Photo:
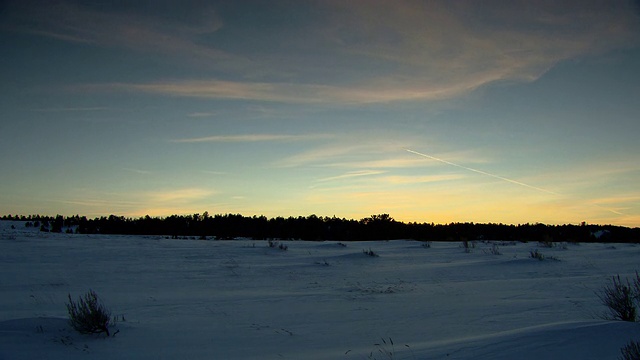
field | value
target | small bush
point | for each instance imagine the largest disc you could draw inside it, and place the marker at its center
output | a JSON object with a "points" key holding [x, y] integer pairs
{"points": [[370, 253], [277, 245], [88, 315], [621, 298], [467, 246], [546, 244], [494, 250], [631, 351], [536, 255]]}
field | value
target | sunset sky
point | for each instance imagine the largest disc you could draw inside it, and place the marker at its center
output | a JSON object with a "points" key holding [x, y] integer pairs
{"points": [[430, 111]]}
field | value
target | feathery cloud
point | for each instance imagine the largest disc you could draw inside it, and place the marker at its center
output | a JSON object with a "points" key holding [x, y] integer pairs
{"points": [[352, 174], [179, 195], [390, 51], [252, 138]]}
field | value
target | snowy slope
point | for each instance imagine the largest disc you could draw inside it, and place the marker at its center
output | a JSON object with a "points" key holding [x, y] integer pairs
{"points": [[193, 299]]}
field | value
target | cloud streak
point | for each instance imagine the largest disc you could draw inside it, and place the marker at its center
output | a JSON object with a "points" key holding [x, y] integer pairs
{"points": [[405, 180], [179, 195], [381, 91], [135, 28], [393, 51], [71, 109], [251, 138], [137, 171], [352, 174]]}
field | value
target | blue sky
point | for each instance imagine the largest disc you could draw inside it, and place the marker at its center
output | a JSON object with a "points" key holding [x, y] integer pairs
{"points": [[439, 111]]}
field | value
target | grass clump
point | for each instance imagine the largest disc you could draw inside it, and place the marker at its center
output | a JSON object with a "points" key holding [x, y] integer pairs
{"points": [[540, 256], [622, 298], [536, 255], [494, 250], [277, 245], [467, 245], [370, 253], [88, 315], [631, 351]]}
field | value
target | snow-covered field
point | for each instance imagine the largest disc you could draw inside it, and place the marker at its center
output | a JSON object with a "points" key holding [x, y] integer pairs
{"points": [[194, 299]]}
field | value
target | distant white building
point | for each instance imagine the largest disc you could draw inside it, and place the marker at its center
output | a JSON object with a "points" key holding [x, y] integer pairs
{"points": [[601, 234]]}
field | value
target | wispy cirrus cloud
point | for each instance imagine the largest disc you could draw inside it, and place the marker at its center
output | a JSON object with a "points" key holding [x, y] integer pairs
{"points": [[372, 179], [179, 195], [619, 199], [416, 59], [382, 163], [375, 151], [137, 171], [419, 179], [100, 203], [329, 154], [212, 172], [252, 138], [141, 28], [166, 28], [352, 174], [71, 109], [154, 203], [381, 91], [395, 158], [202, 114], [440, 43], [389, 51]]}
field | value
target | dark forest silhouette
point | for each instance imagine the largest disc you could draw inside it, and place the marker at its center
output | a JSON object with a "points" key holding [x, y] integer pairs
{"points": [[312, 227]]}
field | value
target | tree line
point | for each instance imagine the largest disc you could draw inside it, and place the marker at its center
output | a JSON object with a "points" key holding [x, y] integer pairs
{"points": [[312, 227]]}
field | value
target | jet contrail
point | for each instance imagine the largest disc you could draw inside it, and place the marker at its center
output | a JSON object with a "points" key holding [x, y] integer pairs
{"points": [[503, 178], [610, 210], [482, 172]]}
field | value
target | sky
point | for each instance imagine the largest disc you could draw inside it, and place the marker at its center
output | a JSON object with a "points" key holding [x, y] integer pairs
{"points": [[430, 111]]}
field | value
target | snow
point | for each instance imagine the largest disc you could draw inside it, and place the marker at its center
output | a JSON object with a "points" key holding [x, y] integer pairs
{"points": [[240, 299]]}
